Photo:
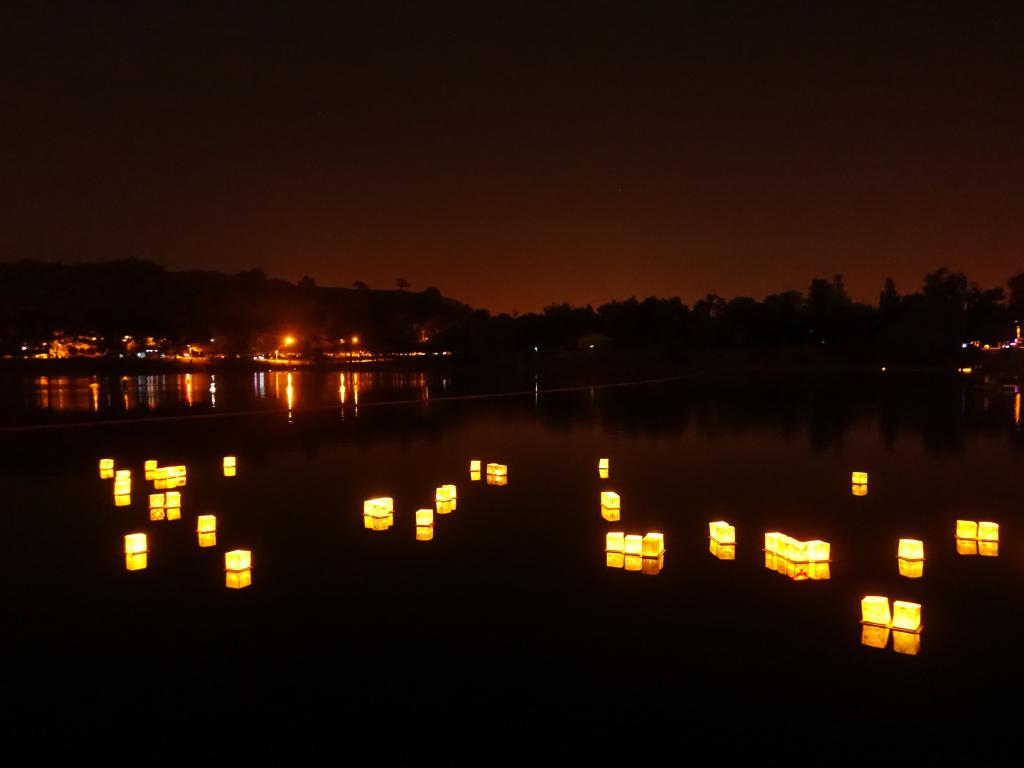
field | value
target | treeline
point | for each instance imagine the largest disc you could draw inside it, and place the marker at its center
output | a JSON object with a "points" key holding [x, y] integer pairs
{"points": [[140, 298]]}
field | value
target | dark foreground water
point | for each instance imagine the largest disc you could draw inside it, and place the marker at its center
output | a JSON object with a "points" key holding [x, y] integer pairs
{"points": [[511, 609]]}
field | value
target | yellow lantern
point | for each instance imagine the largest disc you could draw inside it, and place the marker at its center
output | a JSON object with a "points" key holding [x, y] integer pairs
{"points": [[966, 547], [988, 548], [633, 545], [874, 636], [875, 610], [474, 476], [206, 524], [122, 487], [172, 499], [156, 501], [424, 517], [771, 542], [230, 461], [445, 493], [614, 559], [106, 464], [380, 507], [722, 551], [906, 616], [178, 470], [988, 531], [208, 539], [722, 532], [106, 474], [908, 643], [653, 545], [135, 543], [474, 465], [819, 571], [911, 569], [859, 490], [238, 579], [797, 551], [910, 549], [230, 471], [818, 551], [237, 560], [614, 541], [122, 500], [445, 507], [632, 562], [497, 469], [651, 566], [424, 532], [603, 464], [157, 513], [859, 478], [603, 474], [149, 465], [499, 480], [611, 515], [610, 500], [966, 529], [136, 561], [771, 561]]}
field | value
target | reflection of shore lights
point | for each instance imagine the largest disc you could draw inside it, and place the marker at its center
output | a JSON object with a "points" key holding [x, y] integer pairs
{"points": [[722, 551], [910, 549], [722, 532], [966, 529], [875, 610], [614, 541], [906, 616], [988, 531], [653, 545], [237, 560], [424, 517]]}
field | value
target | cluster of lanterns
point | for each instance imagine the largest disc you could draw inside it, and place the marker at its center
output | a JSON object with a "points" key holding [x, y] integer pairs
{"points": [[122, 487], [165, 506], [859, 483], [379, 513], [497, 474], [635, 552], [168, 477], [722, 540], [977, 538], [798, 560], [904, 621]]}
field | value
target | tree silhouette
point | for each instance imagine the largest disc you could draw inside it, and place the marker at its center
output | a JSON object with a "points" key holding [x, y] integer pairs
{"points": [[402, 283]]}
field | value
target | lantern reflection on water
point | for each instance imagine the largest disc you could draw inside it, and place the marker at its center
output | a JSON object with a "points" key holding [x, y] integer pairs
{"points": [[238, 579], [966, 547], [908, 643], [122, 500], [498, 480], [722, 532], [374, 523], [603, 474], [906, 616], [859, 490], [911, 569], [238, 560], [208, 539], [445, 507], [988, 531], [966, 529], [632, 562], [722, 551], [614, 559], [910, 549], [157, 513], [611, 515], [379, 507], [230, 472], [136, 561], [988, 548], [424, 532], [819, 571], [874, 636], [474, 476], [173, 513], [875, 610], [652, 566]]}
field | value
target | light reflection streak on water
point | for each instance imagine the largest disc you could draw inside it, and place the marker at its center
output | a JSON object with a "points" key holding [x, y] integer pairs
{"points": [[290, 391], [1016, 410], [213, 390], [188, 389]]}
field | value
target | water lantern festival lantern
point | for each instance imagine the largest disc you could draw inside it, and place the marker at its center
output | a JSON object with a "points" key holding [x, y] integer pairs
{"points": [[722, 532], [910, 549], [136, 551], [874, 609]]}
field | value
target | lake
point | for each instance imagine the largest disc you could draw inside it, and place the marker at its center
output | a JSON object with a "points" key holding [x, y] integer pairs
{"points": [[512, 607]]}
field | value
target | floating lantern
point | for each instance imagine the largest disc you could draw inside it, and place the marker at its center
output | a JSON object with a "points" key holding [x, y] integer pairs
{"points": [[135, 543], [122, 487], [156, 501], [424, 517], [797, 551], [378, 523], [722, 532], [172, 499], [149, 465], [966, 529], [653, 545], [380, 507], [771, 542], [908, 643], [474, 476], [238, 579], [445, 493], [237, 560], [722, 551], [474, 465], [910, 549], [610, 500], [157, 513], [632, 562], [859, 490], [603, 464], [874, 636], [611, 515], [445, 507], [818, 551], [988, 531], [859, 478], [875, 610], [651, 566], [206, 524], [122, 500], [966, 547], [633, 545], [819, 571], [106, 464], [988, 548], [230, 461], [614, 559], [208, 539], [614, 541], [497, 480], [497, 469], [906, 616], [911, 569]]}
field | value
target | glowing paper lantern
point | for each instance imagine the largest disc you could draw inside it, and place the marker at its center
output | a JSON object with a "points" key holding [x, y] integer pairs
{"points": [[149, 465], [230, 461], [106, 464], [207, 539], [156, 501], [771, 542], [966, 529], [988, 531], [906, 616], [474, 476], [874, 636], [474, 465], [172, 499], [633, 545], [722, 551], [967, 547], [424, 532], [603, 464], [611, 515], [860, 478], [206, 523], [136, 561], [614, 559], [157, 513], [722, 532], [424, 517], [908, 643], [498, 470], [614, 541], [910, 549], [123, 474], [380, 507], [135, 543], [237, 560], [818, 551], [988, 548], [122, 487], [797, 551], [610, 500], [445, 493], [238, 579], [653, 545], [859, 490], [875, 610], [651, 566], [911, 569]]}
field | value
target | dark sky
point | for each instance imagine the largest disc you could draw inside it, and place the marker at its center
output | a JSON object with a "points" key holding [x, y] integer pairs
{"points": [[514, 157]]}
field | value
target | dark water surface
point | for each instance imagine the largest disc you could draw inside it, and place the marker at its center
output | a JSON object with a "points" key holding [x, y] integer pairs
{"points": [[511, 608]]}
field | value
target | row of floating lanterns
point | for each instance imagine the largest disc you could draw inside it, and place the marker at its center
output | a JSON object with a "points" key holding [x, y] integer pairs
{"points": [[497, 474], [904, 621], [631, 552]]}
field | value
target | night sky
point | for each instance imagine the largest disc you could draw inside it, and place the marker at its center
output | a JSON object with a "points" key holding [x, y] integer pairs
{"points": [[514, 158]]}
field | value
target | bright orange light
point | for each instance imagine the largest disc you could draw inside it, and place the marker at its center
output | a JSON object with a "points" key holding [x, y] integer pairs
{"points": [[289, 340], [355, 339]]}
